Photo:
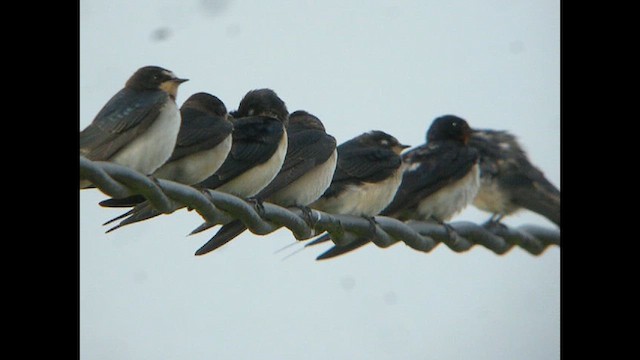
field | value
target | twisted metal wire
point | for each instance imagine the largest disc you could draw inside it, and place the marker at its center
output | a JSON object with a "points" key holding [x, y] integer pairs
{"points": [[218, 208]]}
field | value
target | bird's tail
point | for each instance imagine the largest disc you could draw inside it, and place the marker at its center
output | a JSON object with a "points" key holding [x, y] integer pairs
{"points": [[343, 249], [140, 212], [319, 240], [543, 198], [227, 233], [129, 201]]}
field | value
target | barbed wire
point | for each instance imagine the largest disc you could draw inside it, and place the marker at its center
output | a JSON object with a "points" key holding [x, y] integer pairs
{"points": [[218, 208]]}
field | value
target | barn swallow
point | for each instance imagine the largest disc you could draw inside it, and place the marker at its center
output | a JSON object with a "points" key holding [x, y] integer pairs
{"points": [[367, 175], [258, 148], [509, 181], [306, 173], [138, 126], [204, 141], [259, 144], [441, 179]]}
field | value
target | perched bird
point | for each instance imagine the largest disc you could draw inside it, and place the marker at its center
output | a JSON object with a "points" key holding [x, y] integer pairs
{"points": [[204, 141], [509, 181], [259, 145], [258, 148], [306, 173], [367, 175], [138, 126], [441, 179]]}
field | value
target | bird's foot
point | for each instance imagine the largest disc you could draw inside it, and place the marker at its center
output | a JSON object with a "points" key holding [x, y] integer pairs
{"points": [[372, 224], [307, 215], [494, 222], [257, 204], [451, 232]]}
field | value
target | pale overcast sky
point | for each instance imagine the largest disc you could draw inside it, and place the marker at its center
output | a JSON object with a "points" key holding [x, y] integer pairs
{"points": [[386, 65]]}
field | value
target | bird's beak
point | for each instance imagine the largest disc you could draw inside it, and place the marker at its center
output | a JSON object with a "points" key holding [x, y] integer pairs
{"points": [[398, 148], [171, 86]]}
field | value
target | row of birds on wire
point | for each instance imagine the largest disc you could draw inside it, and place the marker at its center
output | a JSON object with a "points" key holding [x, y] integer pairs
{"points": [[261, 152]]}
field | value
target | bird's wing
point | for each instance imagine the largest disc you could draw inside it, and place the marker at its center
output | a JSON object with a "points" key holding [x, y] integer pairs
{"points": [[199, 132], [127, 114], [306, 149], [255, 140], [430, 168], [502, 158], [367, 164]]}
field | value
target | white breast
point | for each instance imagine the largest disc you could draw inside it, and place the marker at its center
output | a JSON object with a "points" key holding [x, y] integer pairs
{"points": [[309, 187], [257, 178], [196, 167], [451, 199], [364, 200], [153, 147]]}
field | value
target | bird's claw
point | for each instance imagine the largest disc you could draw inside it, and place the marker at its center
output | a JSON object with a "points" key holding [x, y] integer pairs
{"points": [[494, 222], [257, 204], [307, 214], [451, 232], [372, 224]]}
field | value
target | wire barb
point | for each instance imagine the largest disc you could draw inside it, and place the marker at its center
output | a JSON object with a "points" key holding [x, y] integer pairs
{"points": [[218, 208]]}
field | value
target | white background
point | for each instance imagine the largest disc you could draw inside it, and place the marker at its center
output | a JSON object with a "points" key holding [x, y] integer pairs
{"points": [[358, 66]]}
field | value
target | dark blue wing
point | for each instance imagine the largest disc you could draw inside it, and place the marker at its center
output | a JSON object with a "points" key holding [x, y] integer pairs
{"points": [[503, 160], [362, 164], [306, 149], [127, 114], [255, 140], [198, 132], [431, 167]]}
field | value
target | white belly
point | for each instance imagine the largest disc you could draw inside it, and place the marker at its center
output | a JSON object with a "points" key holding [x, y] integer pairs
{"points": [[365, 200], [196, 167], [451, 199], [153, 147], [309, 187], [491, 199], [257, 178]]}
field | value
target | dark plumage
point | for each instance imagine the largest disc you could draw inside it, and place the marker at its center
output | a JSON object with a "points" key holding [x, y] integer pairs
{"points": [[441, 178], [367, 175], [203, 143], [509, 181], [306, 173], [138, 126], [259, 145]]}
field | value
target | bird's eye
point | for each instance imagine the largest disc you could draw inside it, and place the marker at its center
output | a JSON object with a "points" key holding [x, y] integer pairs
{"points": [[454, 124], [384, 142]]}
